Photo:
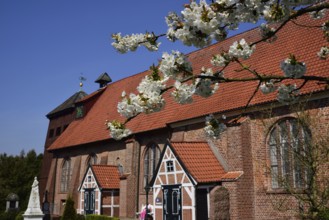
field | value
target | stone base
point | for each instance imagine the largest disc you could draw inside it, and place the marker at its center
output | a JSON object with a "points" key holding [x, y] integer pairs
{"points": [[33, 217]]}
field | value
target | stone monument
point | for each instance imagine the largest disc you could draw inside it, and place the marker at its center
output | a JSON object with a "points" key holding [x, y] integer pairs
{"points": [[33, 211]]}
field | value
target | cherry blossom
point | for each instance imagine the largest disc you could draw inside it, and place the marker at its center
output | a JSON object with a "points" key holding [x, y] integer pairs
{"points": [[183, 92], [199, 25], [132, 42], [267, 31], [213, 127], [292, 68], [118, 130], [221, 59], [318, 14], [175, 65], [268, 87], [324, 52], [287, 94], [204, 86], [241, 49]]}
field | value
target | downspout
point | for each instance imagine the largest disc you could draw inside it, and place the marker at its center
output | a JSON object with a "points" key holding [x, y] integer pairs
{"points": [[208, 201], [54, 183], [138, 174], [100, 201], [194, 202]]}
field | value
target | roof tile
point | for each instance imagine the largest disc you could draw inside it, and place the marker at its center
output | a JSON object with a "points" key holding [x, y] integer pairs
{"points": [[107, 176], [303, 42], [201, 163]]}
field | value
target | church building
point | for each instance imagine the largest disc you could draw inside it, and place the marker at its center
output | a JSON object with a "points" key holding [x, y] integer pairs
{"points": [[170, 163]]}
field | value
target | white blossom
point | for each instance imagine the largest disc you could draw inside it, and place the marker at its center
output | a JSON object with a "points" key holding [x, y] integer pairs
{"points": [[276, 13], [148, 100], [220, 59], [268, 87], [149, 85], [318, 14], [199, 24], [132, 42], [325, 26], [175, 65], [174, 22], [287, 94], [241, 49], [292, 68], [323, 53], [205, 87], [183, 92], [128, 107], [267, 31], [118, 130], [213, 127], [151, 102]]}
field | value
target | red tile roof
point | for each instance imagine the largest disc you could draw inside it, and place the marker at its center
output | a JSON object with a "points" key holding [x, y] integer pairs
{"points": [[201, 163], [107, 176], [303, 42]]}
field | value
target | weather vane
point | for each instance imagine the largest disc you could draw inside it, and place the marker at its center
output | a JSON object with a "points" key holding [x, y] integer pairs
{"points": [[81, 78]]}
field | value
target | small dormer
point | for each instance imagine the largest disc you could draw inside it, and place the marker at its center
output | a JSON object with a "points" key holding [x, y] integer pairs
{"points": [[103, 80]]}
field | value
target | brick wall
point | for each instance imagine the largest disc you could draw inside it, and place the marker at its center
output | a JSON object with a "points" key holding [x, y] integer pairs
{"points": [[242, 148]]}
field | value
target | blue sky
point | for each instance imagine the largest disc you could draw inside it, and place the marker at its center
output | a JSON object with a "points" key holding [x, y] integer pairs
{"points": [[45, 46]]}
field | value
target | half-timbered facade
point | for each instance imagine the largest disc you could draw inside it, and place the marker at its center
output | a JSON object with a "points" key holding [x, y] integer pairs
{"points": [[186, 174], [99, 191]]}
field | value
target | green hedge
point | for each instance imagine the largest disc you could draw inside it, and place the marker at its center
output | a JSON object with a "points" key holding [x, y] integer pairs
{"points": [[10, 215], [100, 217], [324, 214], [70, 212]]}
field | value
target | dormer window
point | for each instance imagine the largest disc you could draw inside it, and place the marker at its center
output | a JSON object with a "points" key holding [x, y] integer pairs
{"points": [[79, 111]]}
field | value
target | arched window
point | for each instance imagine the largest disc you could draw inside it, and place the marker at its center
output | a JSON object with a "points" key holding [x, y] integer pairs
{"points": [[66, 175], [288, 145], [151, 159], [92, 159]]}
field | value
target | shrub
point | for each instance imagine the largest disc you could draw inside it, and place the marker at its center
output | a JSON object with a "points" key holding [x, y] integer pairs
{"points": [[80, 217], [324, 214], [100, 217], [69, 211], [10, 215], [20, 216]]}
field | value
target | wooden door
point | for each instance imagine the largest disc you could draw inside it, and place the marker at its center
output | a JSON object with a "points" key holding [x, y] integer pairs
{"points": [[201, 204], [172, 202], [89, 200]]}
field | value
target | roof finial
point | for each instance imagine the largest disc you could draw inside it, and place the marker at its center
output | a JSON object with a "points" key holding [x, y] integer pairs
{"points": [[81, 78]]}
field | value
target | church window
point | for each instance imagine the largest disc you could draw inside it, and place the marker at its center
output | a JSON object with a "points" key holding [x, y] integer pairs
{"points": [[66, 175], [151, 159], [288, 143], [92, 159]]}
